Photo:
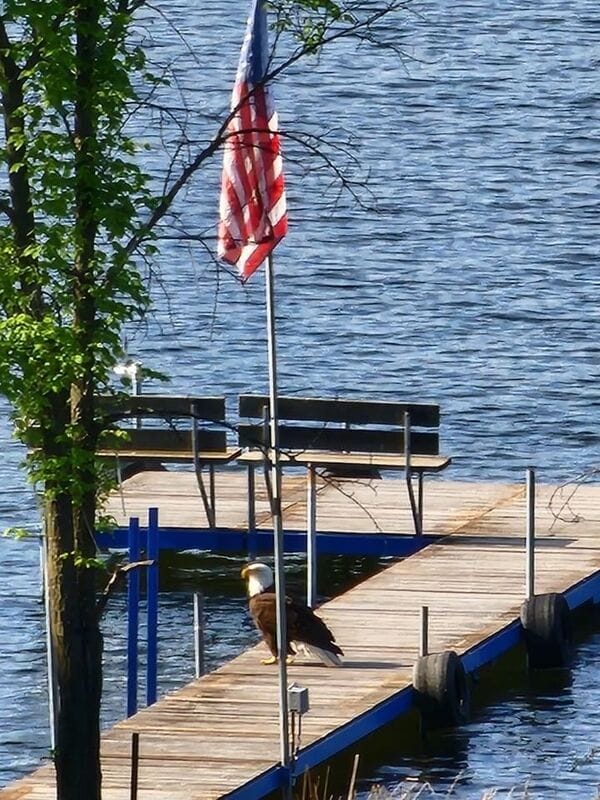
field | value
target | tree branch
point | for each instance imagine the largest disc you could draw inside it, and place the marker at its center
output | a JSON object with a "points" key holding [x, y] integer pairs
{"points": [[114, 582], [165, 202], [36, 54], [22, 218], [6, 208]]}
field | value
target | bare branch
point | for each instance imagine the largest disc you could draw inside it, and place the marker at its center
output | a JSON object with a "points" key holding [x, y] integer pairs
{"points": [[22, 217], [562, 497], [115, 580], [131, 8], [315, 145], [357, 28]]}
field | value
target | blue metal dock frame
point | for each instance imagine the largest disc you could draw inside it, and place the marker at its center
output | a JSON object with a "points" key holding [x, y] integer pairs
{"points": [[226, 540]]}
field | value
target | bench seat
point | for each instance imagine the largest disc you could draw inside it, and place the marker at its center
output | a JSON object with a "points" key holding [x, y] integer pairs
{"points": [[347, 435], [168, 429], [170, 456], [325, 458]]}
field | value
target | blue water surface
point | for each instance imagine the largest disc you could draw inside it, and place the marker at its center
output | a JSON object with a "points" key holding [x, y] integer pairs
{"points": [[468, 275]]}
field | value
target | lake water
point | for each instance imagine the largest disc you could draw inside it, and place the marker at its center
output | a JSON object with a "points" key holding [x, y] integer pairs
{"points": [[475, 283]]}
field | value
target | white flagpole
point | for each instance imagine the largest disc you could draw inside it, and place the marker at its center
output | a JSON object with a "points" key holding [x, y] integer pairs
{"points": [[277, 522]]}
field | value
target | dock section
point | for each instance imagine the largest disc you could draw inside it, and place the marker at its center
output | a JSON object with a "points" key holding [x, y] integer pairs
{"points": [[350, 505], [217, 736]]}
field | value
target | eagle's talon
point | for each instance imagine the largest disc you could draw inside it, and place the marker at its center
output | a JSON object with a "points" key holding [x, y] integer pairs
{"points": [[267, 661], [289, 660]]}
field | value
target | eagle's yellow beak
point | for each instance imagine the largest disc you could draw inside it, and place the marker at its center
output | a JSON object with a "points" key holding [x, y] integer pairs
{"points": [[244, 573]]}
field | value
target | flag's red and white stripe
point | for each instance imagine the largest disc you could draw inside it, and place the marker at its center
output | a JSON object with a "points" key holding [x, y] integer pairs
{"points": [[253, 214]]}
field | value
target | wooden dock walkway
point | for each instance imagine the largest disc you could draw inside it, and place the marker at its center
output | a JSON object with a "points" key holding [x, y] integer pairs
{"points": [[218, 736], [359, 506]]}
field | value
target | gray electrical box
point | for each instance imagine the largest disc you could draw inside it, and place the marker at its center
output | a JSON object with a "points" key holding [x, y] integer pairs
{"points": [[298, 699]]}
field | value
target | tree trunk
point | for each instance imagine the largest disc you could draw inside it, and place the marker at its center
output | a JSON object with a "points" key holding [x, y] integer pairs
{"points": [[76, 638], [70, 516], [77, 646]]}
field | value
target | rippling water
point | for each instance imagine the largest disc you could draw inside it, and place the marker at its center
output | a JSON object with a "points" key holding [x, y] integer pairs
{"points": [[536, 737], [476, 284]]}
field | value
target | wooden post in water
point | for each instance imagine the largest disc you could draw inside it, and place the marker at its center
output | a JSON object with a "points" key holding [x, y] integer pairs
{"points": [[530, 535]]}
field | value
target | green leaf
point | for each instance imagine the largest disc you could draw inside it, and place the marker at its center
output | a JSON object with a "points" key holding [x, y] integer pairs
{"points": [[18, 534]]}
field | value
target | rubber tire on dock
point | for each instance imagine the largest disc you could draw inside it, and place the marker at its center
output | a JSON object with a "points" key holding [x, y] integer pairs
{"points": [[548, 631], [443, 690]]}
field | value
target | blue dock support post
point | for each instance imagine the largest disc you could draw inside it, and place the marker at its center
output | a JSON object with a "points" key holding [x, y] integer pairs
{"points": [[133, 600], [152, 608]]}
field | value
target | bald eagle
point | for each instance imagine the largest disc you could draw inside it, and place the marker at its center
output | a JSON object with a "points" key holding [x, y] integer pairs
{"points": [[305, 631]]}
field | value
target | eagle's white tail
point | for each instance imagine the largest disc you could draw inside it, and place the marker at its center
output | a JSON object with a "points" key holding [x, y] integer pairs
{"points": [[326, 656]]}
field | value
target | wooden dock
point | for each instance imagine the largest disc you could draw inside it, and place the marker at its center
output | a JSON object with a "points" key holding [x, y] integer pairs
{"points": [[358, 506], [218, 736]]}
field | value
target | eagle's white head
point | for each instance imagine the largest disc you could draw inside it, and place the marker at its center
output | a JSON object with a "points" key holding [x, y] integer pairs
{"points": [[259, 577]]}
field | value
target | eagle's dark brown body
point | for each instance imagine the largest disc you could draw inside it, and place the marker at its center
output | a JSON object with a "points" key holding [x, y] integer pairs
{"points": [[303, 627]]}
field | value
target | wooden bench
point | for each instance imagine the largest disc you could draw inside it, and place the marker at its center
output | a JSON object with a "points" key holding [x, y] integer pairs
{"points": [[351, 437], [182, 430]]}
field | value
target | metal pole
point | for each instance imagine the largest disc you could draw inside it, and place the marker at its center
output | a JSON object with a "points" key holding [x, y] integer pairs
{"points": [[213, 494], [530, 535], [133, 597], [136, 386], [42, 567], [424, 641], [199, 633], [408, 475], [251, 498], [206, 501], [284, 742], [52, 683], [152, 608], [251, 512], [311, 538]]}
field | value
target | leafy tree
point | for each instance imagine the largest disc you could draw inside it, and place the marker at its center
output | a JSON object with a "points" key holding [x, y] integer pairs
{"points": [[77, 219]]}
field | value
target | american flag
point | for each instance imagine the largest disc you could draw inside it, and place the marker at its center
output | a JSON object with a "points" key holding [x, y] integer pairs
{"points": [[253, 213]]}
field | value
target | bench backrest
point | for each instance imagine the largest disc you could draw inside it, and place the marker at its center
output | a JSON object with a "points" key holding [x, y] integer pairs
{"points": [[368, 426], [182, 418]]}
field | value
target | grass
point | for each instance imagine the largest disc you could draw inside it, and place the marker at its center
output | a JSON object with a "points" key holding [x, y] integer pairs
{"points": [[418, 791], [311, 789]]}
